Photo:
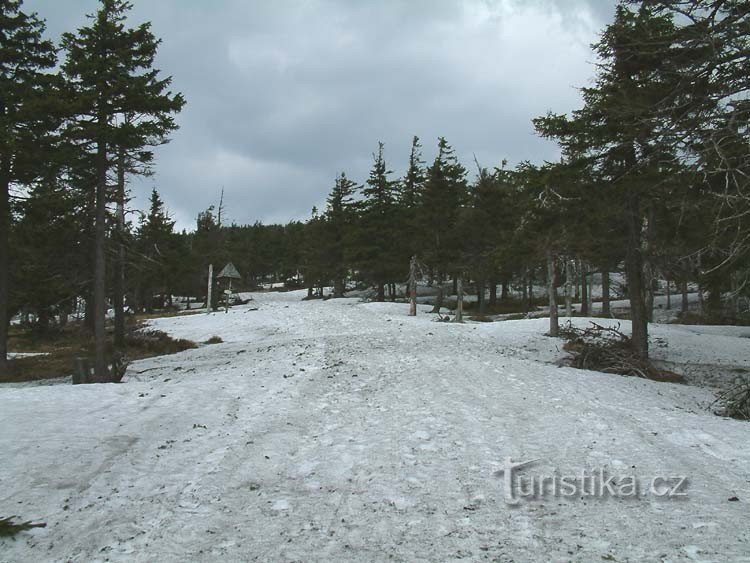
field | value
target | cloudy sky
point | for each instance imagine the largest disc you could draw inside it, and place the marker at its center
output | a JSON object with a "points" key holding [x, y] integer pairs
{"points": [[282, 95]]}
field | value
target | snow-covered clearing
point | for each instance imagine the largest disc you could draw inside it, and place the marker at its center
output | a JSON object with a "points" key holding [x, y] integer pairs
{"points": [[343, 431]]}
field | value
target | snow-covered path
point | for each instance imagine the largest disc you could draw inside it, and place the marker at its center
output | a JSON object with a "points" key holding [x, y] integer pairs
{"points": [[340, 431]]}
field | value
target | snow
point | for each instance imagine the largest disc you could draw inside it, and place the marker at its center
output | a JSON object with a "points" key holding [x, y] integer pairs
{"points": [[338, 430]]}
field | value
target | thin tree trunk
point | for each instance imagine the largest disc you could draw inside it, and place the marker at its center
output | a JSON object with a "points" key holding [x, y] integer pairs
{"points": [[605, 292], [493, 292], [554, 327], [4, 262], [209, 288], [669, 295], [439, 297], [504, 290], [118, 299], [455, 284], [481, 297], [568, 288], [648, 266], [584, 290], [413, 287], [460, 299], [634, 273], [101, 373], [381, 292], [531, 292]]}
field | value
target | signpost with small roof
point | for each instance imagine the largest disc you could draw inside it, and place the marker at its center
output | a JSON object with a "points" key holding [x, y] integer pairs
{"points": [[228, 273]]}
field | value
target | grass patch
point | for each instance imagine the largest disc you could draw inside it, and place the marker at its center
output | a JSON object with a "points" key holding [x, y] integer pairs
{"points": [[481, 319], [214, 340], [165, 314], [63, 346], [694, 318]]}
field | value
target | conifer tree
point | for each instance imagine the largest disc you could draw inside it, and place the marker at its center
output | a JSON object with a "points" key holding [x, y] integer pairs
{"points": [[156, 245], [444, 193], [376, 242], [110, 70], [26, 94], [340, 216], [618, 132]]}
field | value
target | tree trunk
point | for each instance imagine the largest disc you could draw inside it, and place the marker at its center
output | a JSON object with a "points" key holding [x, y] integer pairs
{"points": [[438, 298], [482, 301], [554, 327], [493, 292], [4, 262], [455, 284], [209, 288], [381, 292], [118, 298], [504, 290], [568, 288], [101, 372], [669, 295], [413, 287], [339, 286], [634, 273], [605, 292], [459, 299], [584, 290], [531, 291]]}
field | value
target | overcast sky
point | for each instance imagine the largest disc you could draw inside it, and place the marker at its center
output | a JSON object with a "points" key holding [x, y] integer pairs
{"points": [[283, 95]]}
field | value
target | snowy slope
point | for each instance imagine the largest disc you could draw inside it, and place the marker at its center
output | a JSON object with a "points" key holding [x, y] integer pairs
{"points": [[341, 431]]}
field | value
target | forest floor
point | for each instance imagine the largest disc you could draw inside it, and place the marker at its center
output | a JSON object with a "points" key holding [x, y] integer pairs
{"points": [[339, 430]]}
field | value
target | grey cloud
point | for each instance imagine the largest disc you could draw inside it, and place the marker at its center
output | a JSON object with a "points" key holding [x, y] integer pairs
{"points": [[283, 95]]}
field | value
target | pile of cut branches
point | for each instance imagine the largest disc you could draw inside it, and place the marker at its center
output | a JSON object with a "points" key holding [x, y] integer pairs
{"points": [[735, 402], [608, 350]]}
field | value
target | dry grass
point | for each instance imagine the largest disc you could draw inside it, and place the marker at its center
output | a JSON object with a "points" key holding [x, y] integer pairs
{"points": [[60, 349]]}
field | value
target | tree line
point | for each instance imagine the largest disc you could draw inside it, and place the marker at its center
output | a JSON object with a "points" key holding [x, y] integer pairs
{"points": [[652, 182]]}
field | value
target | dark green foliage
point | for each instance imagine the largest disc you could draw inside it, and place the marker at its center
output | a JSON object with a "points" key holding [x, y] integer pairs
{"points": [[27, 118]]}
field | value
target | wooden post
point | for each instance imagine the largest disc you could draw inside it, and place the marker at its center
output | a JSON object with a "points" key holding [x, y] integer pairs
{"points": [[210, 287]]}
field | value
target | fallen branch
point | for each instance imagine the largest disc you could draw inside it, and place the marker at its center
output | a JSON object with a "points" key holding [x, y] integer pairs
{"points": [[9, 529], [608, 350]]}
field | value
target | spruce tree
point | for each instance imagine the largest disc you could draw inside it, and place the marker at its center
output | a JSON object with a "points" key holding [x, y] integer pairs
{"points": [[340, 216], [444, 193], [26, 93], [376, 236], [156, 245], [110, 70]]}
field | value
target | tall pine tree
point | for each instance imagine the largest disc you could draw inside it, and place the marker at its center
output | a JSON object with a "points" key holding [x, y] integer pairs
{"points": [[110, 69], [26, 90]]}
